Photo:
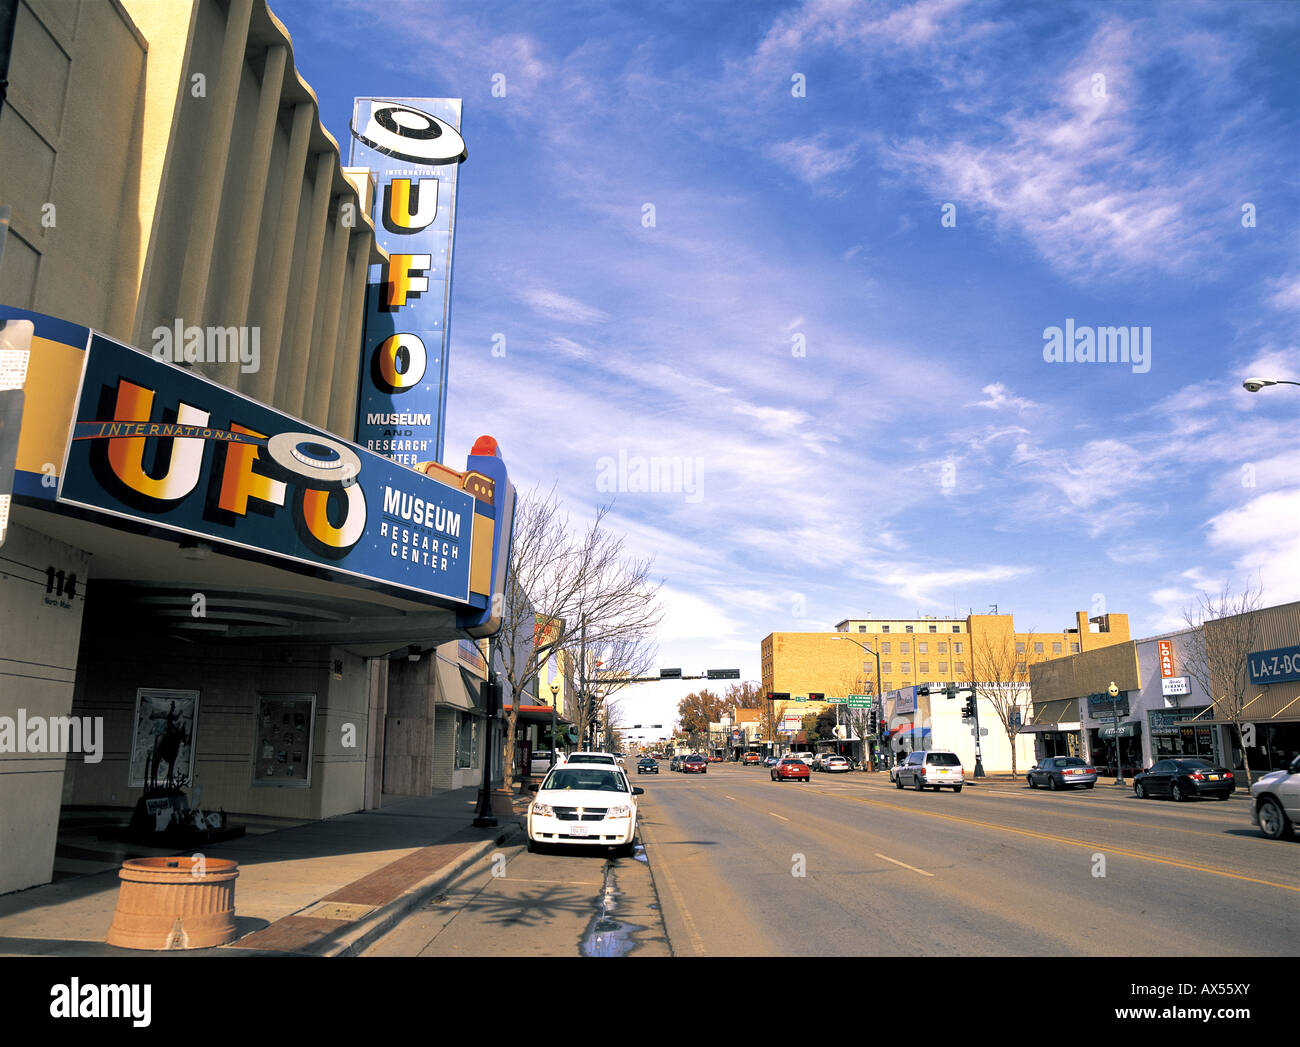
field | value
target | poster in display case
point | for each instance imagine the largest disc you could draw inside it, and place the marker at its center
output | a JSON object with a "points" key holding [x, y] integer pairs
{"points": [[283, 738], [162, 738]]}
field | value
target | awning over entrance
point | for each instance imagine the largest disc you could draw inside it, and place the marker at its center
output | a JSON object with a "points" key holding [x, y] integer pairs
{"points": [[536, 714], [1061, 714], [1119, 730], [458, 688]]}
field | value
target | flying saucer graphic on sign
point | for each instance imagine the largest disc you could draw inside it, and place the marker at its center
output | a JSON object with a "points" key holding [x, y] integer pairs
{"points": [[402, 131]]}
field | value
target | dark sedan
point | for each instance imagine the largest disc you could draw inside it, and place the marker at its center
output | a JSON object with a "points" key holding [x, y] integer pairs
{"points": [[1183, 778], [645, 765], [1061, 772], [694, 764]]}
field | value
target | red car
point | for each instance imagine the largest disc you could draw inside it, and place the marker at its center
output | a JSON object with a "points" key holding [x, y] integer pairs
{"points": [[751, 758], [694, 763], [791, 769], [715, 759]]}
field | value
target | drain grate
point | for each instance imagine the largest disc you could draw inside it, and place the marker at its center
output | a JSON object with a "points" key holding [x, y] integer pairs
{"points": [[338, 911]]}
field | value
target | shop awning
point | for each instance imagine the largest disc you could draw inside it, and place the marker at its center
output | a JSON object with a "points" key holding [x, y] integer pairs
{"points": [[1061, 714], [536, 714], [1276, 710], [457, 688]]}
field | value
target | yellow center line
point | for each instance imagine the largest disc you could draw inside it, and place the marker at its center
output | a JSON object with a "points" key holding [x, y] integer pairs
{"points": [[1106, 848]]}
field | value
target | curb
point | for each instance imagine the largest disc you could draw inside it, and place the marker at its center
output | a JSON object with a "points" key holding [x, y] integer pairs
{"points": [[382, 920]]}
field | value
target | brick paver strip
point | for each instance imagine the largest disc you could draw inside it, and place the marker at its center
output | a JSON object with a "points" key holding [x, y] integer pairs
{"points": [[388, 883], [292, 934]]}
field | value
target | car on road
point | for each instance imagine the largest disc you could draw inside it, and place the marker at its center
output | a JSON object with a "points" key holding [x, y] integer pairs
{"points": [[751, 758], [1062, 772], [1183, 778], [836, 765], [896, 766], [605, 759], [584, 804], [805, 757], [791, 769], [646, 765], [771, 761], [1275, 805], [937, 768], [694, 764]]}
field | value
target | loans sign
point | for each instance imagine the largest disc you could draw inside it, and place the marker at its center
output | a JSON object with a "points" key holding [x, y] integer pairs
{"points": [[414, 149], [167, 449]]}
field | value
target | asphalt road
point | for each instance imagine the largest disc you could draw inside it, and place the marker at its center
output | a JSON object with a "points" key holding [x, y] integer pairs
{"points": [[849, 865], [733, 864]]}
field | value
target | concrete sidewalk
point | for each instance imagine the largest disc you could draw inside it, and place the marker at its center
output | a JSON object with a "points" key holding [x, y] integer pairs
{"points": [[325, 888]]}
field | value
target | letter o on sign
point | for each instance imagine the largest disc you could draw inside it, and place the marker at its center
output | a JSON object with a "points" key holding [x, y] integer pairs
{"points": [[400, 362], [315, 458]]}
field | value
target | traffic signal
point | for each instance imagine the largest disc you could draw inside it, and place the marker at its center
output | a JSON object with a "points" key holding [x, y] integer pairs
{"points": [[968, 710], [923, 690], [817, 697]]}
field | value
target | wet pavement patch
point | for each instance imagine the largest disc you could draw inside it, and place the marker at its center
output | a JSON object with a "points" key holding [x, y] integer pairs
{"points": [[607, 935]]}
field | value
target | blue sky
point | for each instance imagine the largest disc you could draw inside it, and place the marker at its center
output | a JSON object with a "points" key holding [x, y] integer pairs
{"points": [[856, 392]]}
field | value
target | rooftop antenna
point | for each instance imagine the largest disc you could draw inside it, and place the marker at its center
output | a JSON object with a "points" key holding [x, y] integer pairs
{"points": [[995, 607]]}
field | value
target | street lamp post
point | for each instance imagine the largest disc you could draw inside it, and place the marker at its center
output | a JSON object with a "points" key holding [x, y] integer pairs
{"points": [[1113, 691], [555, 741], [871, 763]]}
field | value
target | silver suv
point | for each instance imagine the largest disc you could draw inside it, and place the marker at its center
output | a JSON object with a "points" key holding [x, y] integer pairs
{"points": [[936, 768]]}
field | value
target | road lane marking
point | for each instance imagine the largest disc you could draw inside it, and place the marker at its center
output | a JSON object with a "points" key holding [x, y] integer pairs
{"points": [[903, 864], [731, 798], [1104, 848], [775, 815]]}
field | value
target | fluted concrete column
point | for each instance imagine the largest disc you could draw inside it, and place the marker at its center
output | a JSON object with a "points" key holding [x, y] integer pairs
{"points": [[291, 382], [343, 398], [286, 231], [248, 231], [203, 216], [325, 346]]}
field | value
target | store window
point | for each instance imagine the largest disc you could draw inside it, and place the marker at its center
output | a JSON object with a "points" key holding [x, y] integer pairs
{"points": [[466, 741]]}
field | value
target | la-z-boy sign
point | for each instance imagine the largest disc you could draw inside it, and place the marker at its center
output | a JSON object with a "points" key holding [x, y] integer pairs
{"points": [[414, 148], [162, 446]]}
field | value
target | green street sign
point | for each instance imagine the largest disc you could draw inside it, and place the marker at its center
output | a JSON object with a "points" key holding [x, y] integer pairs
{"points": [[836, 701], [800, 697], [859, 701]]}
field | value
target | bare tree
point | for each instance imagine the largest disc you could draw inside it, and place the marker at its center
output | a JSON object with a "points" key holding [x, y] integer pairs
{"points": [[583, 580], [1216, 655], [1000, 675]]}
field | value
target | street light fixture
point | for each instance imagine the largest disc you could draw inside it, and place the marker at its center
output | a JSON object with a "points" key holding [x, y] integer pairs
{"points": [[1254, 385], [1113, 691], [555, 697], [871, 763]]}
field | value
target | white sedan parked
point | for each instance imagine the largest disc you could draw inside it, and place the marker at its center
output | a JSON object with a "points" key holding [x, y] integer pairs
{"points": [[584, 804]]}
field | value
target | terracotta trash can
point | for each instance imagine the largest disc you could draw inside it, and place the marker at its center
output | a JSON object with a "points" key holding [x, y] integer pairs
{"points": [[175, 903]]}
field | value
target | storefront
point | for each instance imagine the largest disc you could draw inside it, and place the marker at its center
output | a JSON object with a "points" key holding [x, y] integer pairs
{"points": [[227, 591], [1054, 726]]}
